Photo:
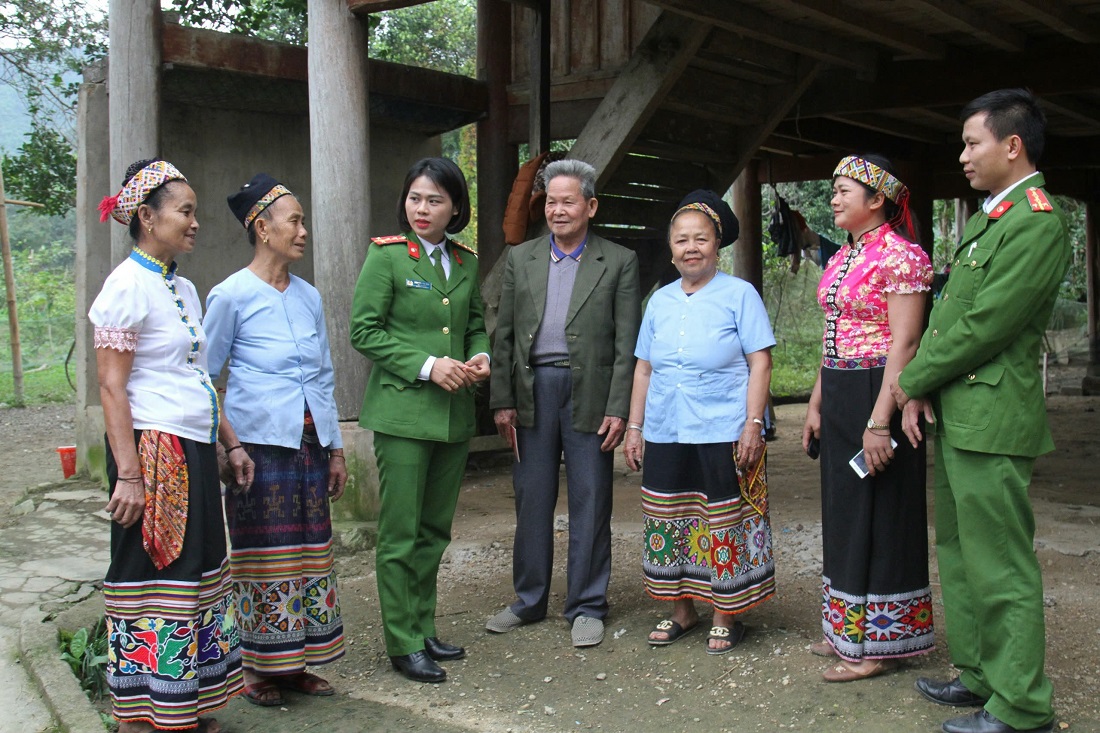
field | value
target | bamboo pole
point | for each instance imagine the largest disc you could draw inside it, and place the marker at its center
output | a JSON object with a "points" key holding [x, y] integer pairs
{"points": [[9, 286]]}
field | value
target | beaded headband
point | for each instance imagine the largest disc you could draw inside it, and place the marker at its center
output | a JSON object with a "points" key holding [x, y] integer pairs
{"points": [[121, 206], [878, 178], [700, 206], [266, 200]]}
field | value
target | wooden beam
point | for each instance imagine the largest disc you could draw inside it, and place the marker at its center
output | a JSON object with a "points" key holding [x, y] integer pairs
{"points": [[777, 102], [756, 24], [567, 119], [1049, 69], [962, 18], [890, 126], [496, 156], [1084, 113], [204, 49], [653, 69], [856, 23], [838, 134], [377, 6], [1059, 16]]}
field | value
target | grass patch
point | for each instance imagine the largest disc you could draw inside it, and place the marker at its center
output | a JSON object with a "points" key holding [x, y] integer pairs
{"points": [[39, 387]]}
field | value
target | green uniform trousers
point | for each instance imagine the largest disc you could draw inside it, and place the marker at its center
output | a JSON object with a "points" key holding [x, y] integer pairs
{"points": [[419, 482], [991, 581]]}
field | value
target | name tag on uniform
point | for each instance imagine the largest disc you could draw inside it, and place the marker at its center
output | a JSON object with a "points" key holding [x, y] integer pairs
{"points": [[418, 284]]}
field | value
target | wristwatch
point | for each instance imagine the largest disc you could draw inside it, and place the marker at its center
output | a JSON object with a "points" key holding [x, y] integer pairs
{"points": [[872, 425]]}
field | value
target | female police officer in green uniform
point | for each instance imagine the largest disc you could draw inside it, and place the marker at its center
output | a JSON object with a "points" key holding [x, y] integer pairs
{"points": [[418, 315]]}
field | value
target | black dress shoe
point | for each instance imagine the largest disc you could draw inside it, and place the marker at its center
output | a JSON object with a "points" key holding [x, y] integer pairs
{"points": [[419, 667], [984, 722], [441, 651], [952, 693]]}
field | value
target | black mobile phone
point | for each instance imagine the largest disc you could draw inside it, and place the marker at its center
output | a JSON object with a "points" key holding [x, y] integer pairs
{"points": [[814, 449]]}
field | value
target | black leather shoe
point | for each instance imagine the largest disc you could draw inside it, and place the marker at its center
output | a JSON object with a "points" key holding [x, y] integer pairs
{"points": [[984, 722], [419, 667], [952, 693], [441, 651]]}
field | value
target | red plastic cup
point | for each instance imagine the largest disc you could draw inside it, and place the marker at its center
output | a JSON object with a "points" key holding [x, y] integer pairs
{"points": [[68, 459]]}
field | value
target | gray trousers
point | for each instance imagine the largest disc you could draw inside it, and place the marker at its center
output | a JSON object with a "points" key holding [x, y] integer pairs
{"points": [[535, 479]]}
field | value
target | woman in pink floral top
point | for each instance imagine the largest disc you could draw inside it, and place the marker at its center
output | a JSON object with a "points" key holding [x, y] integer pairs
{"points": [[876, 599]]}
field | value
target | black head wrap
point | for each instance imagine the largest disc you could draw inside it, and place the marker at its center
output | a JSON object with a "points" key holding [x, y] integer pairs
{"points": [[717, 210], [255, 196]]}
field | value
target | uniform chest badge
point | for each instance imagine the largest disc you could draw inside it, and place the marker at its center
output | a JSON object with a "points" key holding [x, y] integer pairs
{"points": [[418, 284]]}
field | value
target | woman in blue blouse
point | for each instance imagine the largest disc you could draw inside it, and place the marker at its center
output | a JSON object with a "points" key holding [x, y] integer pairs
{"points": [[700, 389], [270, 326]]}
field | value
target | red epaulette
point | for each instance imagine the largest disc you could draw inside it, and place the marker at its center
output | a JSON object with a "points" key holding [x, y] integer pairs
{"points": [[462, 246], [395, 239], [414, 246], [1038, 200], [1000, 209]]}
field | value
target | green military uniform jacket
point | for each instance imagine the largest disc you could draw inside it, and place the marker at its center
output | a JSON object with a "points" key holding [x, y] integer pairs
{"points": [[400, 315], [601, 330], [978, 359]]}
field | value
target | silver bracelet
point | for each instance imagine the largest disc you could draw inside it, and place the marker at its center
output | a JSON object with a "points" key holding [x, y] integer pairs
{"points": [[634, 426]]}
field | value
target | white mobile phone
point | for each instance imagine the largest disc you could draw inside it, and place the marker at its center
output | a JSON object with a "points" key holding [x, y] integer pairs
{"points": [[859, 461]]}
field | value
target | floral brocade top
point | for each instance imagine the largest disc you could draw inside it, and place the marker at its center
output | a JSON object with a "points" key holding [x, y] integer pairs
{"points": [[853, 293]]}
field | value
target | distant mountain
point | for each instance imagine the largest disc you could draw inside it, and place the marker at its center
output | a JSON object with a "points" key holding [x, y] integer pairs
{"points": [[14, 120]]}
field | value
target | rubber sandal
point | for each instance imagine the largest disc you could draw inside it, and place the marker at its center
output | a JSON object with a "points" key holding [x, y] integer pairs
{"points": [[845, 672], [305, 683], [254, 692], [733, 635], [822, 649], [673, 630]]}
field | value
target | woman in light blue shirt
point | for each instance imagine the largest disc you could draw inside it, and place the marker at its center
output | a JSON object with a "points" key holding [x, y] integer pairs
{"points": [[270, 327], [695, 429]]}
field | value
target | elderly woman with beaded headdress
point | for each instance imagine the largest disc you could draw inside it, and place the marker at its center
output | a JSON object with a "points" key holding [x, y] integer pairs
{"points": [[174, 650], [270, 326], [696, 430], [876, 601]]}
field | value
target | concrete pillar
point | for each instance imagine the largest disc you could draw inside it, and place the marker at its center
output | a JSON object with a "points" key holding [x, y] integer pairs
{"points": [[93, 261], [340, 172], [133, 87], [748, 250], [339, 169]]}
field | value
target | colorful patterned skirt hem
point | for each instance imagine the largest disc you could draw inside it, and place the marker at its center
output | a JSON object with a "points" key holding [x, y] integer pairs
{"points": [[702, 540], [173, 646], [282, 560], [876, 597]]}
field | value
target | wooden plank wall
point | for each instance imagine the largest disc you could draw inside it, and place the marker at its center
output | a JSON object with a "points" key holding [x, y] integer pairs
{"points": [[588, 38]]}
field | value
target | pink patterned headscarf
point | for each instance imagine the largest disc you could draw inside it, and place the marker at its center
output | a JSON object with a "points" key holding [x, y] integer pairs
{"points": [[121, 206]]}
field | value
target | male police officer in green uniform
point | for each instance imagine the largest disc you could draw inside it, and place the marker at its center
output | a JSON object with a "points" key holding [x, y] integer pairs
{"points": [[977, 368]]}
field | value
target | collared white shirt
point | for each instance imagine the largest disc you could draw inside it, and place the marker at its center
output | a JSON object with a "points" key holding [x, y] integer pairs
{"points": [[991, 203], [146, 308]]}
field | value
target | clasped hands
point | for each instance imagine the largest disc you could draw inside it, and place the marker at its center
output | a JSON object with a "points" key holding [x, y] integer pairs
{"points": [[911, 411], [453, 375]]}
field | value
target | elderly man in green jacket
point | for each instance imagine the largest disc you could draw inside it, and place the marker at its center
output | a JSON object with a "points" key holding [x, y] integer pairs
{"points": [[977, 369], [563, 365]]}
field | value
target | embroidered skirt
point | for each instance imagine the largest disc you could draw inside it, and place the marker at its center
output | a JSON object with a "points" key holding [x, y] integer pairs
{"points": [[281, 537], [876, 598], [174, 650], [702, 540]]}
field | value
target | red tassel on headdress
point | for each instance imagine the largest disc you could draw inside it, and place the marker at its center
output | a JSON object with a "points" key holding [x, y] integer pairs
{"points": [[903, 220], [106, 206]]}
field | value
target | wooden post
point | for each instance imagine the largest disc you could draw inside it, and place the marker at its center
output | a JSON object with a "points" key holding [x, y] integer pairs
{"points": [[9, 286], [1091, 382], [748, 251], [538, 116], [339, 170], [133, 83], [496, 158]]}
